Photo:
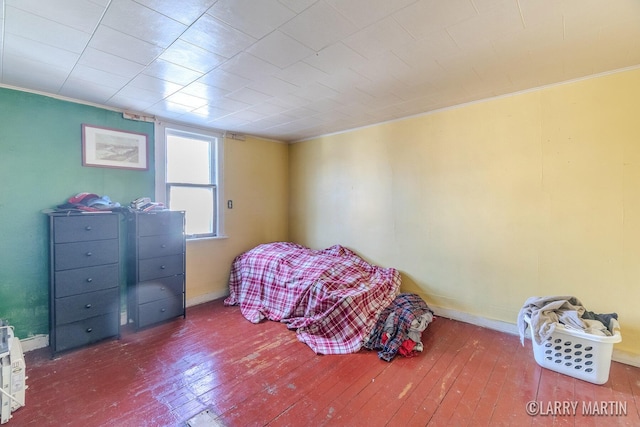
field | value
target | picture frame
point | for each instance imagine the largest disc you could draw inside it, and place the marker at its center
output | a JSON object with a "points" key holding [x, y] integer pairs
{"points": [[112, 148]]}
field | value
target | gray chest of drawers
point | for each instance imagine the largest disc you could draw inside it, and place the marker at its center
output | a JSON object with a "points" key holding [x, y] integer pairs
{"points": [[84, 279], [155, 266]]}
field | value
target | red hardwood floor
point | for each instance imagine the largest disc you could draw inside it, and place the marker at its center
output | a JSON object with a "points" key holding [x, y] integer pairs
{"points": [[260, 375]]}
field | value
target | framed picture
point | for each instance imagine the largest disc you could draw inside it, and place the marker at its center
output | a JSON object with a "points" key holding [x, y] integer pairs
{"points": [[111, 148]]}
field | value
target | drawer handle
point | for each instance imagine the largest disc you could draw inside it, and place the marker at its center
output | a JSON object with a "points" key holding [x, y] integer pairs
{"points": [[87, 306], [162, 288], [89, 330], [163, 310], [89, 279], [162, 267], [163, 246], [88, 228], [89, 254]]}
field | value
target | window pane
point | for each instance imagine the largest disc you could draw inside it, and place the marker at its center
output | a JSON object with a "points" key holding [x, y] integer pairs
{"points": [[199, 205], [188, 160]]}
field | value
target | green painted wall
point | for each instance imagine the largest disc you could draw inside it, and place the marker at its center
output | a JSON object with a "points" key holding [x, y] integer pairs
{"points": [[41, 167]]}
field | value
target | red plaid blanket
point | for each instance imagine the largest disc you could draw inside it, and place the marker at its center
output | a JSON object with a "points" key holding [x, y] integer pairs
{"points": [[331, 297]]}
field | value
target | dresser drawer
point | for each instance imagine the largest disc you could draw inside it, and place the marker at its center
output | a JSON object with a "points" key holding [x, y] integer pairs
{"points": [[153, 224], [86, 331], [161, 245], [157, 311], [86, 254], [89, 279], [85, 227], [78, 307], [153, 290], [165, 266]]}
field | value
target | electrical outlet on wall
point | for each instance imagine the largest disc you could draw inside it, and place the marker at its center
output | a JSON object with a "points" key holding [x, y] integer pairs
{"points": [[229, 204]]}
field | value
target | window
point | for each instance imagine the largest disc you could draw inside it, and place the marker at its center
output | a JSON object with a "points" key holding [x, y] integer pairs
{"points": [[190, 177]]}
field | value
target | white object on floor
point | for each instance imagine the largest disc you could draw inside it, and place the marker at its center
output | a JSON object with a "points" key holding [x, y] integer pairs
{"points": [[12, 373], [205, 419]]}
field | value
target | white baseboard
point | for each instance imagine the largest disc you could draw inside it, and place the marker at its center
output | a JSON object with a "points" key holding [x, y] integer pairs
{"points": [[511, 328], [496, 325], [35, 342], [40, 341], [207, 297]]}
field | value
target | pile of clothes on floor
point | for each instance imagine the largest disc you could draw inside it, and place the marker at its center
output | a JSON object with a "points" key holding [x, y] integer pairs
{"points": [[399, 327], [544, 313]]}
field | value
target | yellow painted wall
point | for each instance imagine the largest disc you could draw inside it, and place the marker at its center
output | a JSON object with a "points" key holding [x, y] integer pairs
{"points": [[256, 180], [485, 205]]}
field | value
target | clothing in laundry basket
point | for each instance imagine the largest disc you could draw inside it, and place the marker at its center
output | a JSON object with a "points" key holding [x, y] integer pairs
{"points": [[546, 312]]}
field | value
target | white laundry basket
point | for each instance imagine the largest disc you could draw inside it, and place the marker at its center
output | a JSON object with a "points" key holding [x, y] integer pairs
{"points": [[576, 353]]}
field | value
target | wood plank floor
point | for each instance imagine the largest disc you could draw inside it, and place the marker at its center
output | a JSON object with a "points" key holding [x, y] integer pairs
{"points": [[261, 375]]}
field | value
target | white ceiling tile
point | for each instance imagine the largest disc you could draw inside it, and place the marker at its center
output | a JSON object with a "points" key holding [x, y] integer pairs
{"points": [[245, 116], [248, 66], [428, 16], [149, 97], [230, 122], [192, 57], [366, 12], [375, 39], [232, 104], [256, 18], [185, 99], [593, 15], [126, 16], [168, 112], [394, 89], [303, 67], [536, 14], [169, 109], [20, 71], [297, 5], [318, 26], [205, 91], [210, 112], [491, 25], [424, 52], [171, 72], [98, 77], [273, 86], [483, 6], [45, 31], [300, 112], [248, 96], [300, 73], [105, 61], [317, 91], [99, 94], [119, 44], [322, 105], [154, 84], [268, 109], [335, 57], [183, 11], [343, 80], [131, 104], [279, 49], [224, 80], [34, 50], [215, 36], [103, 3], [383, 68], [82, 15]]}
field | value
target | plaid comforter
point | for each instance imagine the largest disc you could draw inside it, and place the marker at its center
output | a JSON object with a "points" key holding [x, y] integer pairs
{"points": [[331, 297]]}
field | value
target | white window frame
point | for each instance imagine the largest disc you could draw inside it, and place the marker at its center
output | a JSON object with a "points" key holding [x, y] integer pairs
{"points": [[160, 156]]}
